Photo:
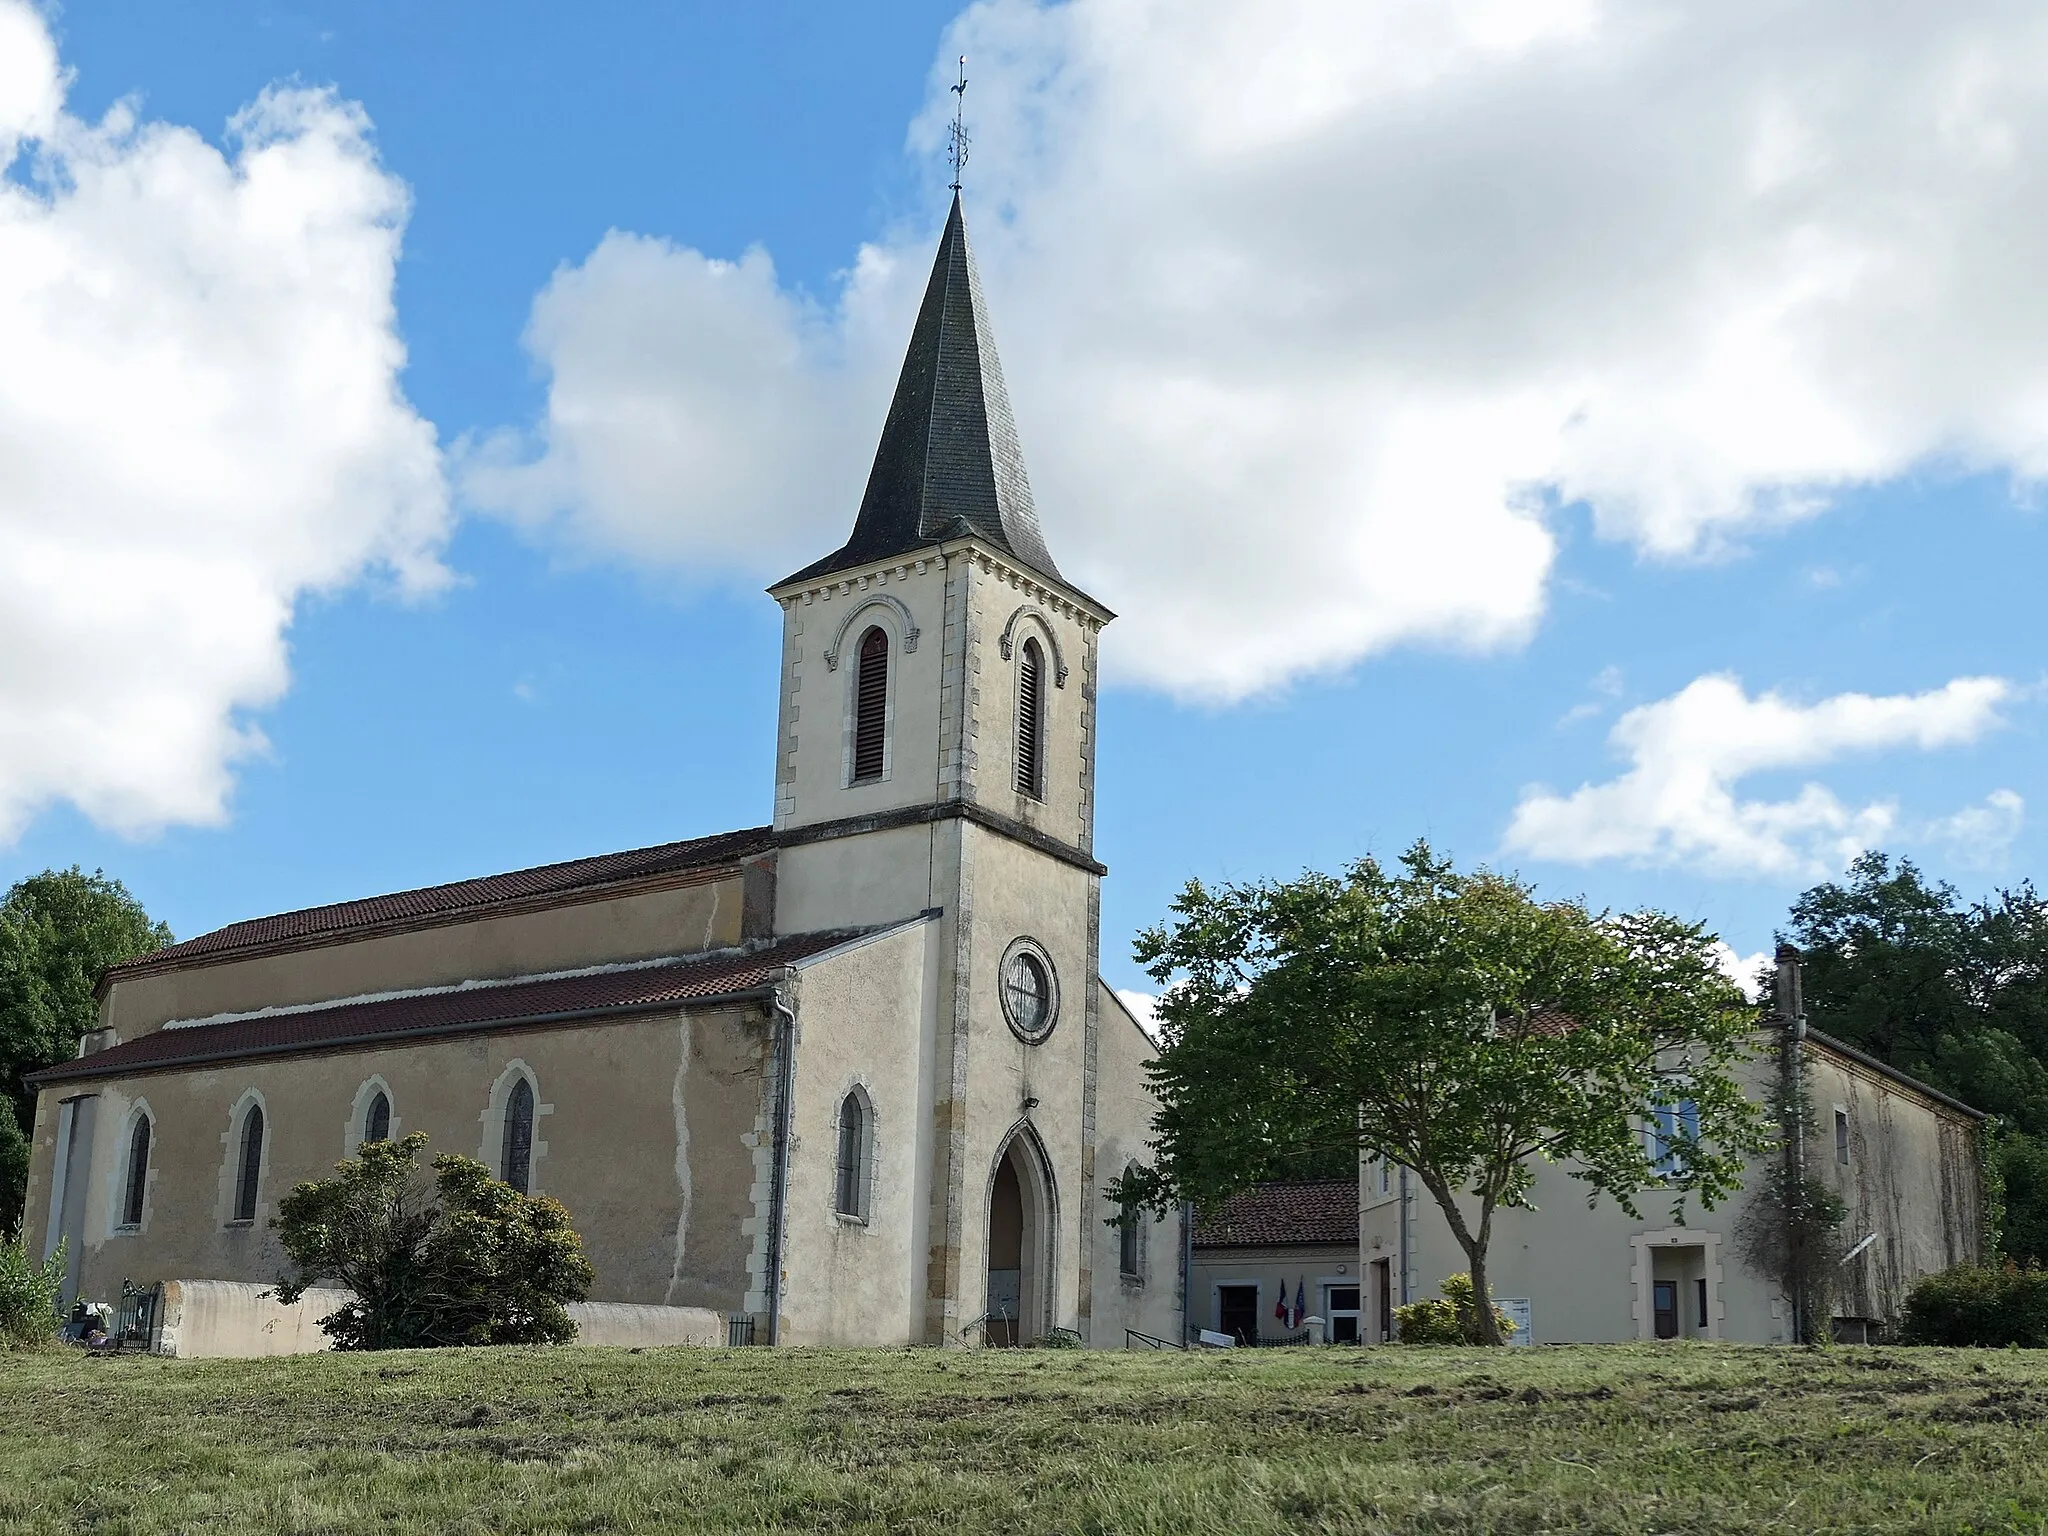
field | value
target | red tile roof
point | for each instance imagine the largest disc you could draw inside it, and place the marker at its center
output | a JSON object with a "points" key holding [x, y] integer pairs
{"points": [[460, 899], [386, 1020], [1284, 1215]]}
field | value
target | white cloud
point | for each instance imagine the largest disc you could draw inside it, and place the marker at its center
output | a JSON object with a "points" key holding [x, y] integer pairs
{"points": [[1310, 310], [200, 421], [1980, 835], [1677, 802], [1144, 1008], [1742, 969]]}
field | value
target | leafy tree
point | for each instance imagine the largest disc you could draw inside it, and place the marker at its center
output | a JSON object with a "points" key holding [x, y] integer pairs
{"points": [[462, 1258], [1955, 993], [58, 931], [1451, 1023]]}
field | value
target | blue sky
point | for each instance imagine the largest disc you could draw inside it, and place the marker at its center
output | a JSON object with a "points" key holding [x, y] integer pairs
{"points": [[1390, 599]]}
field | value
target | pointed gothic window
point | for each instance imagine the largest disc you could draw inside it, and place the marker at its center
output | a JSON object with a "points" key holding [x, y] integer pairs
{"points": [[1127, 1233], [252, 1164], [138, 1173], [870, 706], [1031, 721], [377, 1118], [517, 1168], [851, 1195]]}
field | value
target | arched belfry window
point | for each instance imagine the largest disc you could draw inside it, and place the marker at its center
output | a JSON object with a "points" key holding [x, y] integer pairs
{"points": [[1031, 721], [856, 1127], [138, 1173], [517, 1164], [871, 706], [377, 1118], [251, 1171]]}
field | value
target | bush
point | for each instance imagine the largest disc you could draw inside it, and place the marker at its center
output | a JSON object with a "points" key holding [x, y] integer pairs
{"points": [[1449, 1321], [29, 1293], [463, 1259], [1979, 1305]]}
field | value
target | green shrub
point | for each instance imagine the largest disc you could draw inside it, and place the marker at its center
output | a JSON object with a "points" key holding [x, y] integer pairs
{"points": [[461, 1259], [1451, 1320], [1980, 1305], [29, 1293]]}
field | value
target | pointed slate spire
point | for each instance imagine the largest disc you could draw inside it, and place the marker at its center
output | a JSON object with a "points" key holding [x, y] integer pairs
{"points": [[949, 463]]}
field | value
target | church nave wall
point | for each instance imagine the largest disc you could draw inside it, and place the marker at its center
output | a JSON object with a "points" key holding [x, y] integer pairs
{"points": [[642, 1127], [694, 914]]}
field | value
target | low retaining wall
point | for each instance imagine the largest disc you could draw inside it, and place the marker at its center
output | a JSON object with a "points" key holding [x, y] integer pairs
{"points": [[238, 1320]]}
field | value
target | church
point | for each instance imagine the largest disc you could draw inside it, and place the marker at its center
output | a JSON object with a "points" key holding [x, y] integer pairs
{"points": [[850, 1078]]}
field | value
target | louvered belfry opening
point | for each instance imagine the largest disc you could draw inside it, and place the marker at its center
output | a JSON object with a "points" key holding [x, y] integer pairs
{"points": [[870, 706], [1031, 722]]}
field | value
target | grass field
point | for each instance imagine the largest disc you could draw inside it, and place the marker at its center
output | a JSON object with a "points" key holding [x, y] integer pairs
{"points": [[1677, 1438]]}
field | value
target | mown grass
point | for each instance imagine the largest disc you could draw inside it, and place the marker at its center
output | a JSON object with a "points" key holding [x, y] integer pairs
{"points": [[1679, 1438]]}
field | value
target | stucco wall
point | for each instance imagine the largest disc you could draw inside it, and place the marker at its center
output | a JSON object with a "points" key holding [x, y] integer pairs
{"points": [[645, 1131], [814, 740], [1008, 603], [696, 914], [877, 877], [864, 1027], [1011, 891], [1912, 1179], [1150, 1302], [1587, 1272]]}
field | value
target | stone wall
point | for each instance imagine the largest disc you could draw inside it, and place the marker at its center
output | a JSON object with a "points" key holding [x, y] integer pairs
{"points": [[240, 1320]]}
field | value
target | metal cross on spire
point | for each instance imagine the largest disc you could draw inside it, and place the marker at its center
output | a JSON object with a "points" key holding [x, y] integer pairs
{"points": [[956, 152]]}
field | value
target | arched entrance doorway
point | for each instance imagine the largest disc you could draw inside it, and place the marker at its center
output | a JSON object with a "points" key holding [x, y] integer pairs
{"points": [[1021, 1224]]}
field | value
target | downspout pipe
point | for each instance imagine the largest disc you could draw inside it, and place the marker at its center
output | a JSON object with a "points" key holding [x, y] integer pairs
{"points": [[1791, 1047], [1403, 1291], [778, 1196]]}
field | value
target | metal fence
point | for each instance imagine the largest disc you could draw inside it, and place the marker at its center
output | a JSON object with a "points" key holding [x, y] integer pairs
{"points": [[138, 1318], [739, 1331]]}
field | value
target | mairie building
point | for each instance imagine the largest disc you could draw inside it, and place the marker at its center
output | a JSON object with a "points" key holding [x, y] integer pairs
{"points": [[851, 1077]]}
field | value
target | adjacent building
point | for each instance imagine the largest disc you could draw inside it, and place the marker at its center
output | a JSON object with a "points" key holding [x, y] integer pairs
{"points": [[1903, 1157], [1272, 1256]]}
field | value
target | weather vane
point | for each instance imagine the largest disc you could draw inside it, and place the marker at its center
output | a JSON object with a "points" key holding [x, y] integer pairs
{"points": [[956, 152]]}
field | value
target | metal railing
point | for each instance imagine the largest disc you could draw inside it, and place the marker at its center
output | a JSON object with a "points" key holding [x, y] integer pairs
{"points": [[739, 1331], [1150, 1341]]}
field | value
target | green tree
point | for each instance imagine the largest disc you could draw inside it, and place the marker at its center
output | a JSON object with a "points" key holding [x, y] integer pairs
{"points": [[58, 931], [1955, 993], [1451, 1023], [461, 1258]]}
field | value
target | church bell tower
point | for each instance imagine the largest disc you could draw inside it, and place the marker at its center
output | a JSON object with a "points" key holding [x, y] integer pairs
{"points": [[936, 755]]}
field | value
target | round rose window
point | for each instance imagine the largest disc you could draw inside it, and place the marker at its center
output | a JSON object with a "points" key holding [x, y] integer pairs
{"points": [[1030, 993]]}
